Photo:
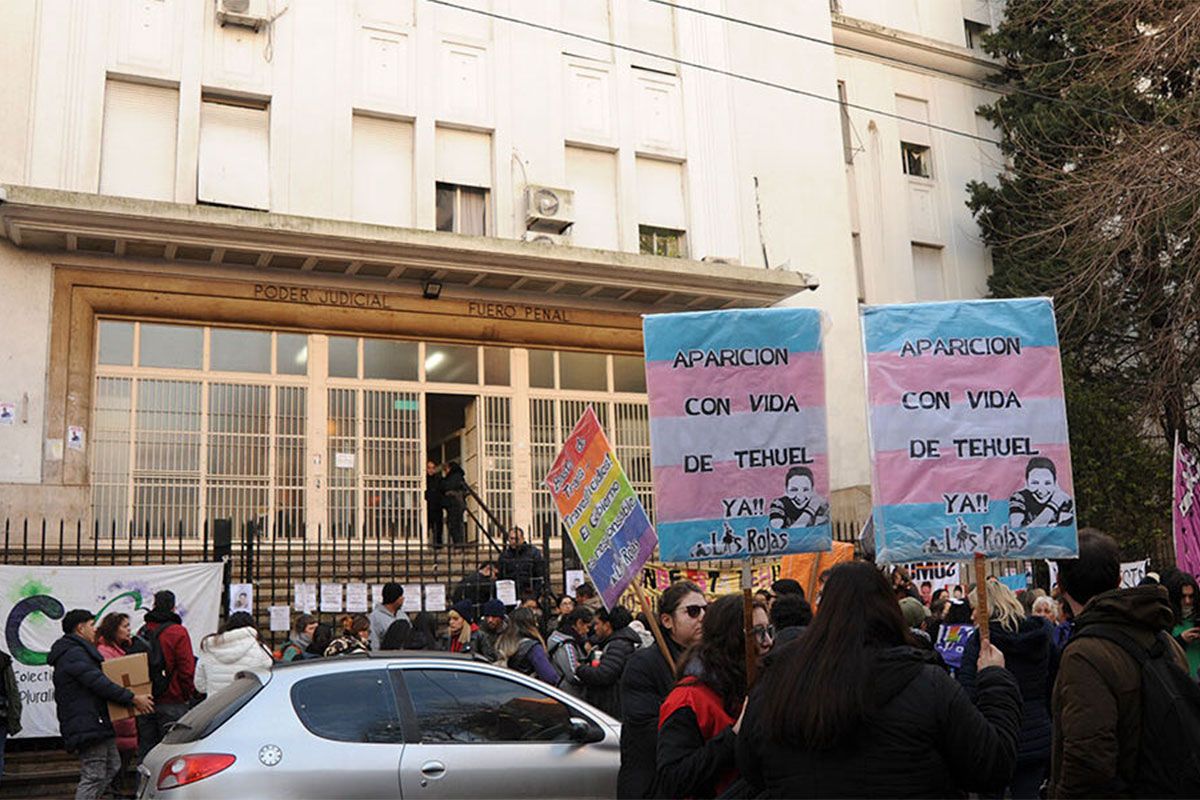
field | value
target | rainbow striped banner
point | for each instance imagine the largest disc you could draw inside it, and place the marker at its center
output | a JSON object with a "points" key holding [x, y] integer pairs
{"points": [[968, 426], [598, 507], [737, 433]]}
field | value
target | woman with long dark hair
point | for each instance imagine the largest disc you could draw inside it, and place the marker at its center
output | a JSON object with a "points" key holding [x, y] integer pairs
{"points": [[1185, 604], [699, 721], [854, 710], [522, 648]]}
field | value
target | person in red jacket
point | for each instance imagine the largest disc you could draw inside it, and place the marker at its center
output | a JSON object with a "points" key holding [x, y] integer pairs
{"points": [[180, 662]]}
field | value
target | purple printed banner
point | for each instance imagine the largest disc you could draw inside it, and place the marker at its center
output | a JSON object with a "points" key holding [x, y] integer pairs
{"points": [[1187, 510], [737, 433]]}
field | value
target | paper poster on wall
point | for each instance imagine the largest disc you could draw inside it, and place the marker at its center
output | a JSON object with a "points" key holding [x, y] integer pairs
{"points": [[305, 599], [356, 598], [8, 413], [36, 598], [280, 618], [574, 578], [602, 514], [75, 437], [331, 597], [241, 598], [738, 433], [435, 597], [343, 460], [506, 592], [968, 431], [412, 598], [376, 594]]}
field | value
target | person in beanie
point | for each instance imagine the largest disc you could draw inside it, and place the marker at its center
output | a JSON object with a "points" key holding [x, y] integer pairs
{"points": [[385, 613], [163, 624], [462, 630], [82, 693], [493, 621]]}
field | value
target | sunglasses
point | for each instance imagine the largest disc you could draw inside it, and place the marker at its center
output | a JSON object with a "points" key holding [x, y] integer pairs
{"points": [[763, 634], [695, 611]]}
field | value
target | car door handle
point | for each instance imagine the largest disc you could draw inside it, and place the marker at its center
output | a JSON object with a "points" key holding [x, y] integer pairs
{"points": [[433, 769]]}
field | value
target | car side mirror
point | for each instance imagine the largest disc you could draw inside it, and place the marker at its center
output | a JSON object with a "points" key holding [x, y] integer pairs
{"points": [[584, 732]]}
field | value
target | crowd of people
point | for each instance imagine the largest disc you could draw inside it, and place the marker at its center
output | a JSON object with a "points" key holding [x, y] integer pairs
{"points": [[852, 698]]}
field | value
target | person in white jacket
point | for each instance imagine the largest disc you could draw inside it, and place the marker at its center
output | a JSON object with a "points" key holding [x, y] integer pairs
{"points": [[229, 651]]}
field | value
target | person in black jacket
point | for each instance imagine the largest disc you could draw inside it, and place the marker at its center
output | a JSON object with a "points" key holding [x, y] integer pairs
{"points": [[1030, 655], [522, 563], [81, 694], [477, 589], [647, 681], [856, 711], [454, 499], [434, 511], [601, 675]]}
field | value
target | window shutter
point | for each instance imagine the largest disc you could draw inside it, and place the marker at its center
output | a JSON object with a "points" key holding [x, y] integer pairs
{"points": [[137, 149], [234, 156], [660, 194], [464, 158], [383, 164]]}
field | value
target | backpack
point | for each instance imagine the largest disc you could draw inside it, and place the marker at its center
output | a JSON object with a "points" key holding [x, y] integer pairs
{"points": [[160, 681], [1168, 762]]}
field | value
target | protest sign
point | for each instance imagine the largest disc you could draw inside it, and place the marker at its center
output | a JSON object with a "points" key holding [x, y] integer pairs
{"points": [[1132, 572], [737, 433], [1018, 583], [937, 575], [36, 598], [305, 597], [657, 577], [806, 568], [604, 518], [1185, 511], [951, 641], [968, 431]]}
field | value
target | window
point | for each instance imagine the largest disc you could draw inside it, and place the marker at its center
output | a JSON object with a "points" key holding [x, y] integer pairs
{"points": [[349, 707], [116, 343], [390, 360], [629, 374], [974, 32], [291, 353], [592, 175], [916, 160], [451, 363], [461, 209], [541, 369], [464, 174], [583, 371], [137, 148], [215, 711], [470, 707], [234, 154], [343, 357], [171, 346], [928, 277], [383, 171], [661, 242], [662, 213], [240, 351], [496, 366], [916, 155], [844, 113]]}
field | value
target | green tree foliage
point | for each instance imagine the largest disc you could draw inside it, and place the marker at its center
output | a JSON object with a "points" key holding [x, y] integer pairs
{"points": [[1098, 206]]}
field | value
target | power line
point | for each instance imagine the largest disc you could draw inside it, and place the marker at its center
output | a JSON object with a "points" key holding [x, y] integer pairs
{"points": [[895, 59], [718, 71]]}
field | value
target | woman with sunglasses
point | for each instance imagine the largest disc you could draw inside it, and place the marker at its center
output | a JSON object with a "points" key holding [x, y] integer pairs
{"points": [[646, 682], [700, 719], [854, 710]]}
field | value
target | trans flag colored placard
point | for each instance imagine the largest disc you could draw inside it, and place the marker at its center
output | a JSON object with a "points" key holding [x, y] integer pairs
{"points": [[968, 431], [604, 518], [737, 433]]}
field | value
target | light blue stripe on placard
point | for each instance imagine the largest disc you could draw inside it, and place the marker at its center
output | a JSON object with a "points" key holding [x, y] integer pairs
{"points": [[693, 540], [918, 532], [887, 328], [797, 330]]}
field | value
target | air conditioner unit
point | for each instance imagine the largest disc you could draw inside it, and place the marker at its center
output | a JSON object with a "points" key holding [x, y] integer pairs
{"points": [[243, 13], [542, 237], [549, 210]]}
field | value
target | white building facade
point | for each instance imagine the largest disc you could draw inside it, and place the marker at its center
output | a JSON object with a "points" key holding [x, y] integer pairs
{"points": [[266, 258]]}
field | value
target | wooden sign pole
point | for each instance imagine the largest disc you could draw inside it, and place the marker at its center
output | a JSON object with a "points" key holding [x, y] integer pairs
{"points": [[652, 618], [748, 626], [981, 599]]}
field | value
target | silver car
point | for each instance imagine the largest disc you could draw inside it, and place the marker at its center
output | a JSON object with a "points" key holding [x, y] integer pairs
{"points": [[415, 726]]}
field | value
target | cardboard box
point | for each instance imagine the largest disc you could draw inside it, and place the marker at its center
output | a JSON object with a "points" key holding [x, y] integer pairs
{"points": [[132, 672]]}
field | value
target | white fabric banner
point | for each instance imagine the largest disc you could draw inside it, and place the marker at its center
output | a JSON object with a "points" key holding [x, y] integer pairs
{"points": [[1132, 572], [33, 600]]}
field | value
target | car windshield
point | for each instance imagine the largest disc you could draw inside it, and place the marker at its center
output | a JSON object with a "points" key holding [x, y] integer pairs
{"points": [[205, 718]]}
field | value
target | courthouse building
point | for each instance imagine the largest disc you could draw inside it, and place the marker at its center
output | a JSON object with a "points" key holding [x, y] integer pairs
{"points": [[262, 259]]}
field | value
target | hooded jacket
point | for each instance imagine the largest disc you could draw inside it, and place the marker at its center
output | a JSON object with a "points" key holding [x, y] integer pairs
{"points": [[524, 566], [1030, 655], [564, 651], [923, 738], [11, 696], [603, 681], [1097, 700], [82, 692], [645, 684], [177, 652], [126, 729], [224, 655]]}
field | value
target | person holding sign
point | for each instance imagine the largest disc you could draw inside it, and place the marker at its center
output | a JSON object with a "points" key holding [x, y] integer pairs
{"points": [[853, 710], [1041, 504], [800, 506]]}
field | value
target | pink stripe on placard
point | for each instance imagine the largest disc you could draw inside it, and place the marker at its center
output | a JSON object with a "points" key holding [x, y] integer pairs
{"points": [[681, 496], [901, 480], [1036, 372], [803, 377]]}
